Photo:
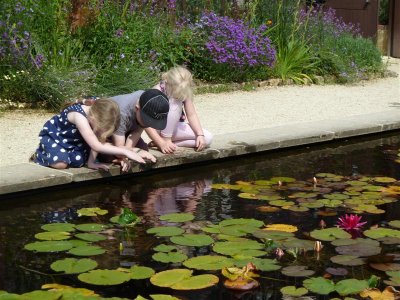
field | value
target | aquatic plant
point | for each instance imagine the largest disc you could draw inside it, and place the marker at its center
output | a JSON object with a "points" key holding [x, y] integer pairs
{"points": [[350, 222]]}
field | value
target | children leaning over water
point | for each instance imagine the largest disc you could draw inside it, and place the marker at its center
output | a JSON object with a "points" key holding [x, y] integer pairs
{"points": [[79, 132]]}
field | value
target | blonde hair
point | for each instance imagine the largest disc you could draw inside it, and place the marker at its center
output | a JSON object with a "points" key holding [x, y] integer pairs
{"points": [[178, 83], [106, 116]]}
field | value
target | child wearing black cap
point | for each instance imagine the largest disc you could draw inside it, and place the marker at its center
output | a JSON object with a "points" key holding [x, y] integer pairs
{"points": [[139, 110]]}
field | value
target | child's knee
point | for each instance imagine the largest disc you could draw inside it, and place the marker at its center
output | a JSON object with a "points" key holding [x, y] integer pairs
{"points": [[59, 165], [208, 136]]}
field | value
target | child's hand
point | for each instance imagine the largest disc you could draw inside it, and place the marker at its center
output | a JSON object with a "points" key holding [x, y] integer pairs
{"points": [[200, 143], [134, 156], [97, 166], [147, 155], [167, 147]]}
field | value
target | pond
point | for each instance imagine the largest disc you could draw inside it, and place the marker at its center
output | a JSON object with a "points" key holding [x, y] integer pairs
{"points": [[305, 191]]}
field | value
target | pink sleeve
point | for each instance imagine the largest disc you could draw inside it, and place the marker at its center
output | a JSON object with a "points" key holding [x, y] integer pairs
{"points": [[174, 114]]}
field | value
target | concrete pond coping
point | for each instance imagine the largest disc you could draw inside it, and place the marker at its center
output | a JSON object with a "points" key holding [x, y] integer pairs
{"points": [[27, 177]]}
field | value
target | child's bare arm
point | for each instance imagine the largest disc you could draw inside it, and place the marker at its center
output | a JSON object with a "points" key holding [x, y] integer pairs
{"points": [[164, 144], [194, 123]]}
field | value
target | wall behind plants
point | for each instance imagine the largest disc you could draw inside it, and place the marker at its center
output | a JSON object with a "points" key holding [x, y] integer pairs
{"points": [[52, 51]]}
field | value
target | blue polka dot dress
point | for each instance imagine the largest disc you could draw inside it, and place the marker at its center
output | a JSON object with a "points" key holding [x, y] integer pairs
{"points": [[60, 141]]}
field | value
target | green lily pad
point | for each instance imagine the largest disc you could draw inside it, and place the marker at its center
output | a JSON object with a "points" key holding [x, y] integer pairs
{"points": [[329, 234], [262, 264], [293, 291], [208, 262], [237, 230], [395, 223], [49, 246], [87, 251], [319, 285], [236, 248], [170, 277], [104, 277], [91, 227], [303, 195], [194, 240], [92, 211], [36, 295], [298, 243], [73, 265], [274, 235], [251, 196], [169, 257], [165, 231], [330, 203], [79, 243], [347, 260], [315, 204], [281, 203], [53, 235], [336, 196], [360, 249], [164, 248], [91, 237], [351, 286], [177, 217], [59, 227], [382, 179], [163, 297], [297, 271], [298, 208], [196, 282], [141, 272], [382, 232], [242, 221]]}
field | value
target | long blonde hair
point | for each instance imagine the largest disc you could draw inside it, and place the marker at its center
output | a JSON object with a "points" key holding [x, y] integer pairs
{"points": [[106, 117], [178, 83]]}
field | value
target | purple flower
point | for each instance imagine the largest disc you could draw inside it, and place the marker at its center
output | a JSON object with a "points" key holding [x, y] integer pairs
{"points": [[119, 33], [38, 61], [122, 56]]}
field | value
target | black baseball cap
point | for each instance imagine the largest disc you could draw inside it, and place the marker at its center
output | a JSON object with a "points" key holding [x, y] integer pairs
{"points": [[154, 107]]}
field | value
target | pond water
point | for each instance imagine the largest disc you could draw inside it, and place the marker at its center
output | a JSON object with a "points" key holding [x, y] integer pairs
{"points": [[190, 190]]}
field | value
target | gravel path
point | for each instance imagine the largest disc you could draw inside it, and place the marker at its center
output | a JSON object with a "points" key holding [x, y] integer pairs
{"points": [[237, 111]]}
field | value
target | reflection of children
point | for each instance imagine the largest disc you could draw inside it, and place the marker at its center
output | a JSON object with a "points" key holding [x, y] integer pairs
{"points": [[177, 85], [67, 138], [181, 198]]}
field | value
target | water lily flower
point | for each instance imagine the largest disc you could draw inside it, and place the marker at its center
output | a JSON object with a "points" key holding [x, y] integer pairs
{"points": [[350, 222], [279, 253], [318, 246], [322, 224]]}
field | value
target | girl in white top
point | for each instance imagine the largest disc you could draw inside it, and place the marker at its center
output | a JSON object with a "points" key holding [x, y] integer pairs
{"points": [[177, 84]]}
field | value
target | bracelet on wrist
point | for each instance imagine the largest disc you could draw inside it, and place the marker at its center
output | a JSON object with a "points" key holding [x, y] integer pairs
{"points": [[200, 134]]}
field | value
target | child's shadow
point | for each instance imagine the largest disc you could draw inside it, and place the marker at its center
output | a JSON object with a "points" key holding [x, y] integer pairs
{"points": [[395, 104]]}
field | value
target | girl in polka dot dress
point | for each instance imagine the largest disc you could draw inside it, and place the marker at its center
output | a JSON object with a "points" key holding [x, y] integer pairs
{"points": [[68, 138]]}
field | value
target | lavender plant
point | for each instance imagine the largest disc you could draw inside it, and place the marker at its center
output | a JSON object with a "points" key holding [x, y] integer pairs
{"points": [[231, 45]]}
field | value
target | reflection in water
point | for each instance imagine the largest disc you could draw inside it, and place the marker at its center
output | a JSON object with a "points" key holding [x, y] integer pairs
{"points": [[187, 190]]}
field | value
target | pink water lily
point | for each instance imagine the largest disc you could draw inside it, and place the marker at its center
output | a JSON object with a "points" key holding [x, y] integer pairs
{"points": [[350, 222]]}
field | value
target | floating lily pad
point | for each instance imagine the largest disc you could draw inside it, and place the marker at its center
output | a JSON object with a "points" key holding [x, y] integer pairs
{"points": [[241, 221], [170, 277], [336, 196], [165, 231], [251, 196], [164, 248], [91, 237], [330, 203], [303, 195], [73, 265], [35, 295], [208, 262], [194, 240], [281, 227], [59, 227], [382, 232], [293, 243], [78, 243], [351, 286], [235, 248], [268, 209], [225, 186], [91, 227], [395, 223], [196, 282], [319, 285], [281, 203], [49, 246], [297, 271], [272, 235], [293, 291], [385, 266], [169, 257], [237, 230], [141, 272], [384, 179], [92, 211], [298, 208], [359, 249], [347, 260], [104, 277], [282, 179], [329, 234], [87, 251], [177, 217], [262, 264], [53, 235]]}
